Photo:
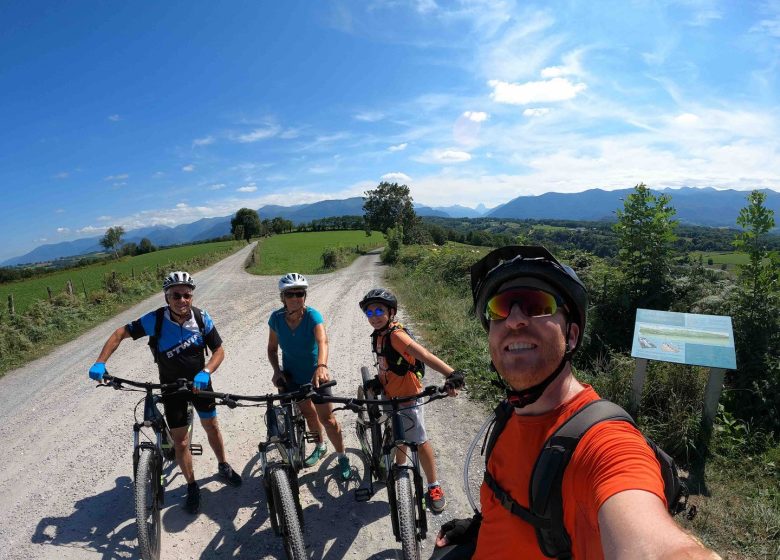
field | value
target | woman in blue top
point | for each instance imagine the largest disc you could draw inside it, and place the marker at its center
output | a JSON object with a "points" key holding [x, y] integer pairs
{"points": [[300, 332]]}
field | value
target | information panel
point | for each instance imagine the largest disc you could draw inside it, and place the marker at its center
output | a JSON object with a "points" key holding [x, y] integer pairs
{"points": [[684, 338]]}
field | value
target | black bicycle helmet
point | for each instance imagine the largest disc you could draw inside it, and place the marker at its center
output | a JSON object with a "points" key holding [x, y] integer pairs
{"points": [[178, 278], [379, 295], [527, 261]]}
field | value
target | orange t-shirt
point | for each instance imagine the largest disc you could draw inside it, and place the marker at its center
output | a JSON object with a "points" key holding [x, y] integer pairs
{"points": [[395, 385], [611, 457]]}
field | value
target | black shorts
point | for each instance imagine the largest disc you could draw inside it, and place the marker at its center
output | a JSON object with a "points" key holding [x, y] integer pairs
{"points": [[176, 407]]}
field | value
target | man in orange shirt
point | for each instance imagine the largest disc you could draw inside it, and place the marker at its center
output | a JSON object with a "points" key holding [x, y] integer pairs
{"points": [[534, 310]]}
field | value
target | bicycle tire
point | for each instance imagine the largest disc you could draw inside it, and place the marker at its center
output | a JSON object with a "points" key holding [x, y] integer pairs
{"points": [[147, 504], [287, 514], [371, 437], [407, 526]]}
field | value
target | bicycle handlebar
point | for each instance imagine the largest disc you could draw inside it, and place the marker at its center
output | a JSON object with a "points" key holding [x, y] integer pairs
{"points": [[354, 404], [303, 392], [180, 384]]}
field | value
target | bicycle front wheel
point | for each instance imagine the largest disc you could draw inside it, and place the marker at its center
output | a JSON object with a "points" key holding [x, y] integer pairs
{"points": [[287, 514], [147, 503], [407, 526]]}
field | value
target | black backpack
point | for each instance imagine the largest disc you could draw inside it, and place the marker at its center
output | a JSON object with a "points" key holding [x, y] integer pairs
{"points": [[395, 360], [545, 496], [159, 316]]}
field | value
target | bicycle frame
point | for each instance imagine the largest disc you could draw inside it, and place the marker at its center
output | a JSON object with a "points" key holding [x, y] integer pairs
{"points": [[149, 457], [286, 441], [392, 436]]}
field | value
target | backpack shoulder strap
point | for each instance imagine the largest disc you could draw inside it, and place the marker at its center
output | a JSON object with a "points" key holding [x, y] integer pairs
{"points": [[546, 497], [198, 313], [503, 412], [159, 316]]}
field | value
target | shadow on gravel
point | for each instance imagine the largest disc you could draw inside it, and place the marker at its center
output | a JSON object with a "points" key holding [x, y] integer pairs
{"points": [[101, 522], [335, 522]]}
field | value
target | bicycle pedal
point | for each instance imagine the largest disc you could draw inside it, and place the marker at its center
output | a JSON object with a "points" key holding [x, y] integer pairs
{"points": [[362, 494], [311, 437], [196, 449]]}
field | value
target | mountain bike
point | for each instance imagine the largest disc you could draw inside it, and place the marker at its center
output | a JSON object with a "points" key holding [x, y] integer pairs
{"points": [[150, 453], [281, 457], [381, 429]]}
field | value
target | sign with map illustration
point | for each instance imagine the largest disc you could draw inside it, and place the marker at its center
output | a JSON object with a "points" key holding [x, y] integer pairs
{"points": [[684, 338]]}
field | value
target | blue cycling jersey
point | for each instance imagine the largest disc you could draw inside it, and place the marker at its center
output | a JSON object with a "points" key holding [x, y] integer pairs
{"points": [[299, 348], [180, 347]]}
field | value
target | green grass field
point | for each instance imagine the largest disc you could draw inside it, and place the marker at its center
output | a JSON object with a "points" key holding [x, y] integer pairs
{"points": [[90, 278], [302, 252], [730, 259]]}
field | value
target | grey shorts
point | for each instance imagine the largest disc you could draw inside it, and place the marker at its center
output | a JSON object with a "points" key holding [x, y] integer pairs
{"points": [[413, 418]]}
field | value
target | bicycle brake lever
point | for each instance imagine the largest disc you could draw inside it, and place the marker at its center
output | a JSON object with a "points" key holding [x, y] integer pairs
{"points": [[230, 403]]}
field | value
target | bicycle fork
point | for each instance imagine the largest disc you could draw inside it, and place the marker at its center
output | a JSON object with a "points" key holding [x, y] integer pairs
{"points": [[394, 469]]}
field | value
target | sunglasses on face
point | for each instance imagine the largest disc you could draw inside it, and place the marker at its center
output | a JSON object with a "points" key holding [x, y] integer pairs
{"points": [[290, 295], [532, 302], [374, 313], [177, 296]]}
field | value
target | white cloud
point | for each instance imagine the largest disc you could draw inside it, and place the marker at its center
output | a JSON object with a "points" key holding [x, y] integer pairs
{"points": [[217, 186], [686, 119], [369, 116], [556, 89], [536, 112], [188, 168], [158, 174], [62, 175], [426, 6], [258, 134], [182, 205], [476, 116], [251, 187], [445, 156], [91, 230], [203, 141], [290, 133], [396, 177], [60, 211], [398, 147], [104, 218], [114, 118], [121, 177], [63, 230]]}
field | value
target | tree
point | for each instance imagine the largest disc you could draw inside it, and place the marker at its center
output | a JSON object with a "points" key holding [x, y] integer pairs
{"points": [[756, 386], [645, 231], [390, 205], [112, 240], [146, 246], [250, 220]]}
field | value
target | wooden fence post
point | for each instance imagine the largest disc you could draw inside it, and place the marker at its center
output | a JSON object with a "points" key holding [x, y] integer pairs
{"points": [[70, 288], [84, 286], [48, 289], [11, 309]]}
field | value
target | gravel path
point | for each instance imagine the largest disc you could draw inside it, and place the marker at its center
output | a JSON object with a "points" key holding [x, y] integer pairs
{"points": [[66, 480]]}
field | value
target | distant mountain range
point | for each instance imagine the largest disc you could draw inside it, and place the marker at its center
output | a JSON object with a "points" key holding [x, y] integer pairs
{"points": [[706, 207]]}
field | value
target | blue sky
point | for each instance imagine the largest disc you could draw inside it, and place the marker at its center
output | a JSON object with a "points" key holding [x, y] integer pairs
{"points": [[144, 113]]}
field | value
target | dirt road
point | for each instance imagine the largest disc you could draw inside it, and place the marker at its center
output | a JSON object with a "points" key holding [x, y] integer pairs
{"points": [[66, 476]]}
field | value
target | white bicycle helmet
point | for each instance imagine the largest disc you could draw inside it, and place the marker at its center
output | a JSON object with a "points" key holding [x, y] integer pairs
{"points": [[292, 280], [178, 278]]}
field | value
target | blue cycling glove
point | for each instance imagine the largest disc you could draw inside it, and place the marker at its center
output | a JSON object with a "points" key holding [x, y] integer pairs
{"points": [[201, 381], [97, 371]]}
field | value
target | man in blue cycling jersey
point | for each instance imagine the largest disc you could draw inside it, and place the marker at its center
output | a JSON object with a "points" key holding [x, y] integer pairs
{"points": [[179, 334]]}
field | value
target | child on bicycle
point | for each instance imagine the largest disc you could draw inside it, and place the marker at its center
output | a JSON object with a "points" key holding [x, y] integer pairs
{"points": [[398, 358]]}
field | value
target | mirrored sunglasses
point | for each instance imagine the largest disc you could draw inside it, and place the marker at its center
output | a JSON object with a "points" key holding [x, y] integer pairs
{"points": [[532, 302], [375, 313], [290, 295]]}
